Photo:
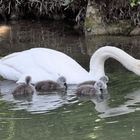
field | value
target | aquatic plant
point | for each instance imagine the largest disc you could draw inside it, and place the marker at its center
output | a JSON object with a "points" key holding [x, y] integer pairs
{"points": [[115, 10], [40, 8], [74, 10], [135, 2]]}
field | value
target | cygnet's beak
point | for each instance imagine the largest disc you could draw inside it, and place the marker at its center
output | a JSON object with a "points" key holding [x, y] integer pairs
{"points": [[102, 91], [65, 84]]}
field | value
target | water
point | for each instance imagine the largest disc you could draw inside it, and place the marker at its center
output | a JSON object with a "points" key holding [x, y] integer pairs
{"points": [[64, 116]]}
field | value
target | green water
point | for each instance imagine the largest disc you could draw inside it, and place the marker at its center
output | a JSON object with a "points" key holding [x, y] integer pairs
{"points": [[64, 116]]}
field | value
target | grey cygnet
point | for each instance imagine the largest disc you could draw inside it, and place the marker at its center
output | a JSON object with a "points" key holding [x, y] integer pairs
{"points": [[49, 85], [24, 89], [91, 90]]}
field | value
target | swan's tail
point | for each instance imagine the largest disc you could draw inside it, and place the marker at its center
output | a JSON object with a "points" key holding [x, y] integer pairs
{"points": [[8, 72]]}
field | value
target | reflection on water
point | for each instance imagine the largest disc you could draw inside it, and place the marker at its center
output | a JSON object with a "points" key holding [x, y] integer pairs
{"points": [[36, 103], [4, 31], [45, 103], [63, 115]]}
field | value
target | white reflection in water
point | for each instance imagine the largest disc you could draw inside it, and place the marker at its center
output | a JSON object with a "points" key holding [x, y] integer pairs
{"points": [[36, 103], [45, 103], [134, 99], [129, 106], [116, 111]]}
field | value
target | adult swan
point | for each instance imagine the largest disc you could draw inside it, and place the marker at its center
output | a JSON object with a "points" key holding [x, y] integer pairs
{"points": [[43, 63]]}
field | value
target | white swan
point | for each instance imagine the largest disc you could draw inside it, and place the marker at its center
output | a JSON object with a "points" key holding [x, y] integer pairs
{"points": [[42, 64]]}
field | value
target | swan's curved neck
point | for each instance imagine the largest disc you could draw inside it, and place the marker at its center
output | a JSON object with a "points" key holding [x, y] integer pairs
{"points": [[101, 55]]}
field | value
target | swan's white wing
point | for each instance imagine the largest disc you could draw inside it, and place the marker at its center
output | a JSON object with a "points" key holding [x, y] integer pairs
{"points": [[10, 56], [45, 63], [58, 63], [9, 72], [21, 61], [25, 64]]}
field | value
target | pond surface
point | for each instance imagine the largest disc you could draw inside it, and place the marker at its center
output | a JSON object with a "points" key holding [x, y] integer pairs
{"points": [[64, 116]]}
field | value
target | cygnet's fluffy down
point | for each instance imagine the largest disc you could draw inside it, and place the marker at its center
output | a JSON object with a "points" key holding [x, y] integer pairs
{"points": [[105, 79], [91, 90], [24, 89], [49, 85]]}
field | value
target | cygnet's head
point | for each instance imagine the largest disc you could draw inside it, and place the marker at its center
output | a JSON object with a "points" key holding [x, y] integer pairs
{"points": [[100, 86], [105, 79], [62, 81], [28, 80]]}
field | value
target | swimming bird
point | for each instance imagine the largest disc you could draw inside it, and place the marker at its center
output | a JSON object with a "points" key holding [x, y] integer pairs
{"points": [[43, 62], [91, 90], [49, 85], [24, 89], [104, 79]]}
